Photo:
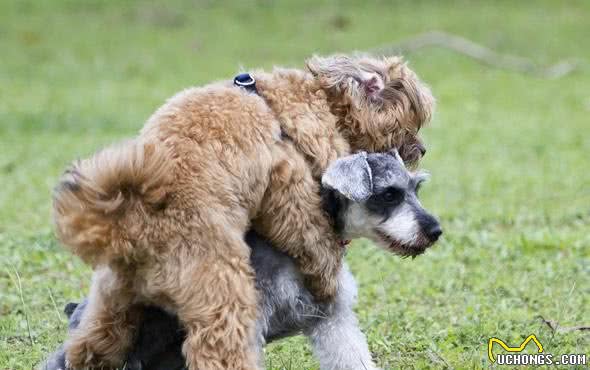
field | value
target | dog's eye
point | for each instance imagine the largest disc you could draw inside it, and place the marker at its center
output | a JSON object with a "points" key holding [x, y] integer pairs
{"points": [[393, 195]]}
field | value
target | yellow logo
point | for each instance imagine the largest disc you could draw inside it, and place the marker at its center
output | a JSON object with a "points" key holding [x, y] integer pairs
{"points": [[531, 337]]}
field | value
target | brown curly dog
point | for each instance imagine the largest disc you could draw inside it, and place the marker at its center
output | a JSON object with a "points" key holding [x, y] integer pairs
{"points": [[162, 218]]}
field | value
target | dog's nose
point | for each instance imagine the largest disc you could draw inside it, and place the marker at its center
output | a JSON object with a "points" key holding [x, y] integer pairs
{"points": [[434, 232], [422, 149]]}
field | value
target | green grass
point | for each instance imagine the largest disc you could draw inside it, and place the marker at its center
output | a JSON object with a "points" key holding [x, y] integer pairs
{"points": [[508, 154]]}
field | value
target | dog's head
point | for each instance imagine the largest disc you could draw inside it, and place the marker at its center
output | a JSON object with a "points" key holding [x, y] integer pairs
{"points": [[375, 196], [380, 102]]}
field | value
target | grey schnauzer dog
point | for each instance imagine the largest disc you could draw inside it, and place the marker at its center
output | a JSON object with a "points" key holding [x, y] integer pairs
{"points": [[366, 195]]}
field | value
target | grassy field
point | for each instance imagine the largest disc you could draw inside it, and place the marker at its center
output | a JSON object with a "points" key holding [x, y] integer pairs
{"points": [[509, 155]]}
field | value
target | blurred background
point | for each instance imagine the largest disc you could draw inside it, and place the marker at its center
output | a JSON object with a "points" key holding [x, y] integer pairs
{"points": [[508, 150]]}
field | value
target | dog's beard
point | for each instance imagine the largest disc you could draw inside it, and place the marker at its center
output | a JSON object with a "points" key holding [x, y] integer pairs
{"points": [[404, 249]]}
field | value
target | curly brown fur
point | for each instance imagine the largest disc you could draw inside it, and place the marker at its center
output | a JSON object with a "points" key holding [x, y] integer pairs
{"points": [[379, 103], [164, 215], [98, 194]]}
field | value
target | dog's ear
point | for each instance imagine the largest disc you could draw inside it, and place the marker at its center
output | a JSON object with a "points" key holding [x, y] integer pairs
{"points": [[406, 90], [343, 74], [351, 176], [421, 176]]}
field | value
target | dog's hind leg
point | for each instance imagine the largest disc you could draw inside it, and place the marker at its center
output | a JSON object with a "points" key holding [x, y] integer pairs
{"points": [[292, 218], [106, 330], [216, 301]]}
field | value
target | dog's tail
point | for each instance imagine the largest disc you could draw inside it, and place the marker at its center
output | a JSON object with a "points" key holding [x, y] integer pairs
{"points": [[101, 202]]}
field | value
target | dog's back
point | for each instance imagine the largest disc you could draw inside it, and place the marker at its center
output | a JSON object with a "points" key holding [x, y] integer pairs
{"points": [[203, 155]]}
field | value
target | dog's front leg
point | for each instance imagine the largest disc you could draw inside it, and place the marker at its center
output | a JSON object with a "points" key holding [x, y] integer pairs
{"points": [[292, 219], [337, 341]]}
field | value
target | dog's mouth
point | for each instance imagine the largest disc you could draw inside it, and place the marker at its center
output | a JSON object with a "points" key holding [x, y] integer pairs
{"points": [[404, 249]]}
